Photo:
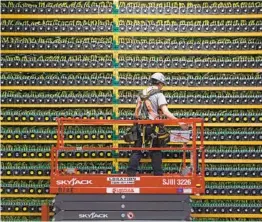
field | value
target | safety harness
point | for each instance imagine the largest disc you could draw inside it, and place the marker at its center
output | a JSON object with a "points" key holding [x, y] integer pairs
{"points": [[159, 132], [146, 106]]}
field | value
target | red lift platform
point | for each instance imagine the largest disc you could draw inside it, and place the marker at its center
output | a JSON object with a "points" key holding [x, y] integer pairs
{"points": [[190, 182]]}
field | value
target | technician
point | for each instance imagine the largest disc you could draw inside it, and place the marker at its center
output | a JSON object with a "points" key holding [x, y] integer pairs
{"points": [[151, 104]]}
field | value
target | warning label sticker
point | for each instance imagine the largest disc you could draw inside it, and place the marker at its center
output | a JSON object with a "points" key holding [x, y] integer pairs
{"points": [[123, 180], [123, 190]]}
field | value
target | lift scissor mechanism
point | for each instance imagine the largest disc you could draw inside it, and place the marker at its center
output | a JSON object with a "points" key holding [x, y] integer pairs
{"points": [[116, 196]]}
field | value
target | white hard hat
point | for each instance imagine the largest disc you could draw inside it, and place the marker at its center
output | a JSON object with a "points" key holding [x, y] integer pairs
{"points": [[159, 77]]}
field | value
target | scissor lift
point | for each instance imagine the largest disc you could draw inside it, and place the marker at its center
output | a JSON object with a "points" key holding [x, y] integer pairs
{"points": [[119, 197]]}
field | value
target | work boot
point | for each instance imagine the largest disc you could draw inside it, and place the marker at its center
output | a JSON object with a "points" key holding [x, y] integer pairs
{"points": [[158, 174], [131, 173]]}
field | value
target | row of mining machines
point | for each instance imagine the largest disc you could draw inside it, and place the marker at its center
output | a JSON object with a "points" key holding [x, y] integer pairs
{"points": [[88, 60]]}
